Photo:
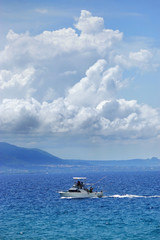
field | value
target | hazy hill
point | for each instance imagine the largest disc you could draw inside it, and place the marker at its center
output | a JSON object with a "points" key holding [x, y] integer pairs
{"points": [[132, 162], [17, 158]]}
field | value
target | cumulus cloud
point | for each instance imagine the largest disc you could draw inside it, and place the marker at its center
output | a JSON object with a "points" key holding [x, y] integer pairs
{"points": [[140, 59], [66, 82], [57, 55], [89, 24], [115, 119], [18, 115], [96, 86], [8, 79], [84, 110], [128, 119]]}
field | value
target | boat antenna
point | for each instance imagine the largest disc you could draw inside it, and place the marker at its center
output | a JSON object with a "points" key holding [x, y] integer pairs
{"points": [[99, 180]]}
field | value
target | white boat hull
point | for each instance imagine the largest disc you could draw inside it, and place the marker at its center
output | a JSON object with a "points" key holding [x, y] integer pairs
{"points": [[83, 194], [78, 190]]}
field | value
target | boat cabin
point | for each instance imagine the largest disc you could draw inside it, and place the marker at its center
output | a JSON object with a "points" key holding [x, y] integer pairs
{"points": [[79, 182]]}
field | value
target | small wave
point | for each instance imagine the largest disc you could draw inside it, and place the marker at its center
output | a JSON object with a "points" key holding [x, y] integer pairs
{"points": [[130, 196]]}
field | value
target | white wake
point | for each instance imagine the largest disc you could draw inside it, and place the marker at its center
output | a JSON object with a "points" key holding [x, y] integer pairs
{"points": [[131, 196]]}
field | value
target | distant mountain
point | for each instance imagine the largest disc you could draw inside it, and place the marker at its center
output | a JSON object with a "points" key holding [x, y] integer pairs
{"points": [[131, 163], [13, 158], [18, 158]]}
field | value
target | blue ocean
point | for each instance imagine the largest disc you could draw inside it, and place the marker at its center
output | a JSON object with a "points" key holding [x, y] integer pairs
{"points": [[31, 208]]}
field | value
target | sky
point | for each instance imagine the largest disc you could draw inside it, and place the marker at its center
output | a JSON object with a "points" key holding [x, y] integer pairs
{"points": [[81, 79]]}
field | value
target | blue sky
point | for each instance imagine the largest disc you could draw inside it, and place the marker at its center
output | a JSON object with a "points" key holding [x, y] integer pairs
{"points": [[80, 79]]}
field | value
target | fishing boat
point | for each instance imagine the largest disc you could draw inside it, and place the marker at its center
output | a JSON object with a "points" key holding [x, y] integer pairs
{"points": [[79, 190]]}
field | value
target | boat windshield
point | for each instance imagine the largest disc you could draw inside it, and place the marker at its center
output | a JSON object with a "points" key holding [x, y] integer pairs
{"points": [[74, 190]]}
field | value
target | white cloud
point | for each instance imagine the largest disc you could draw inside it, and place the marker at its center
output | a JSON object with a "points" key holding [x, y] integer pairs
{"points": [[89, 24], [62, 82], [9, 79], [83, 111], [142, 56], [51, 44], [115, 119], [19, 115], [96, 86], [54, 53], [141, 59]]}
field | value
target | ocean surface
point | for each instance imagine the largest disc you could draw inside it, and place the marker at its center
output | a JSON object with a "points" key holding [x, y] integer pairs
{"points": [[31, 208]]}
